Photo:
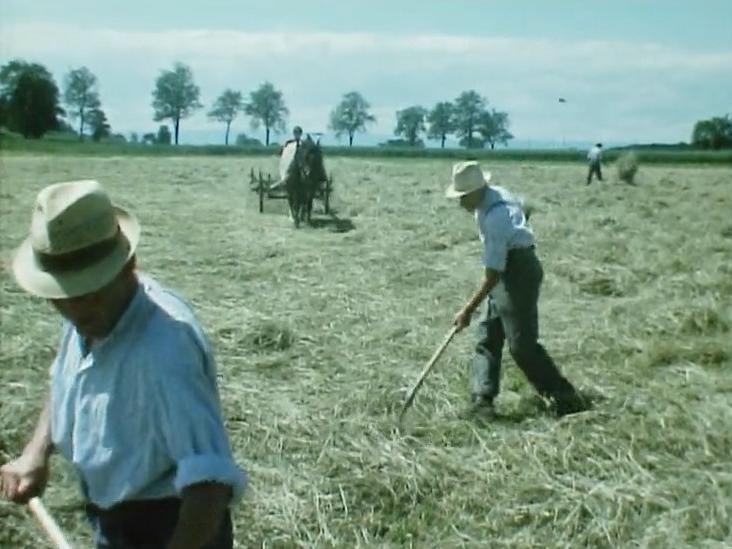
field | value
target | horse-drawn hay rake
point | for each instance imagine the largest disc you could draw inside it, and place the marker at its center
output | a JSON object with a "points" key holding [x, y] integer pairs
{"points": [[262, 184]]}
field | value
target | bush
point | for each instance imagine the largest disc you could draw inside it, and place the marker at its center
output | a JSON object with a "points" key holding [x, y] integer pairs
{"points": [[164, 137], [243, 140], [419, 144], [627, 165], [715, 133]]}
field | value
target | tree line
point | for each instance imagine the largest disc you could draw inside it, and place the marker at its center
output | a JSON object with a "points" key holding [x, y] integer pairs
{"points": [[30, 103], [468, 118]]}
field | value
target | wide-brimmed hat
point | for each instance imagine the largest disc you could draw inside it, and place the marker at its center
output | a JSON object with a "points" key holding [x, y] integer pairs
{"points": [[79, 241], [466, 178]]}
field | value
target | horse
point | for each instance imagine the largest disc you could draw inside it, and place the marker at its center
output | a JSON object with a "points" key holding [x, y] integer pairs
{"points": [[301, 171]]}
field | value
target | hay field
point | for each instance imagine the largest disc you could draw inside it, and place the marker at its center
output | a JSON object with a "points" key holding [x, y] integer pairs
{"points": [[318, 331]]}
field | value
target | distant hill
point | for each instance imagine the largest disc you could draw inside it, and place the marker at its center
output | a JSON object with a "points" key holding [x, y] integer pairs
{"points": [[660, 147]]}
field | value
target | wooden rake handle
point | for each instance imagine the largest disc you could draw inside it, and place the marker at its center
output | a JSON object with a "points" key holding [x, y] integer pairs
{"points": [[428, 367], [48, 524]]}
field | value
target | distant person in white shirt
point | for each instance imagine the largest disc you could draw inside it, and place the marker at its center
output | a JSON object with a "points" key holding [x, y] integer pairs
{"points": [[134, 403], [594, 157], [512, 276]]}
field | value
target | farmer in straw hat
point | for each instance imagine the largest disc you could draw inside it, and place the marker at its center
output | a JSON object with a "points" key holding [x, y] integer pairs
{"points": [[513, 276], [133, 401]]}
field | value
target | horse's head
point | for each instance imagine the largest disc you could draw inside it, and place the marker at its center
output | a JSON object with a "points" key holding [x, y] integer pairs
{"points": [[310, 160]]}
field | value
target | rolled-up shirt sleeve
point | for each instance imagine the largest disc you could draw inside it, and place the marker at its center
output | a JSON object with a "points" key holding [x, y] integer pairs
{"points": [[495, 253], [192, 428]]}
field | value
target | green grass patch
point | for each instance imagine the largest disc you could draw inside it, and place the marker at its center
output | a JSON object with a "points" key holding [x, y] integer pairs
{"points": [[64, 145]]}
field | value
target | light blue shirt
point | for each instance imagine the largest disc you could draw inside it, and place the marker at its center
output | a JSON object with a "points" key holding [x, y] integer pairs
{"points": [[501, 226], [139, 416]]}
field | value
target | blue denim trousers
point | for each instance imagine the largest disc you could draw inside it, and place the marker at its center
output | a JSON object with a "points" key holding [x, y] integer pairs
{"points": [[146, 524]]}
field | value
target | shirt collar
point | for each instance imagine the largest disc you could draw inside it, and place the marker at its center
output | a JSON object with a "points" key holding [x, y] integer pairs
{"points": [[136, 305], [489, 197]]}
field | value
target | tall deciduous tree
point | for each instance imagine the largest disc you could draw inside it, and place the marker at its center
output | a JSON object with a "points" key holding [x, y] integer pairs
{"points": [[81, 95], [469, 106], [440, 121], [410, 123], [267, 107], [226, 108], [714, 133], [99, 125], [175, 96], [351, 116], [30, 98], [493, 127]]}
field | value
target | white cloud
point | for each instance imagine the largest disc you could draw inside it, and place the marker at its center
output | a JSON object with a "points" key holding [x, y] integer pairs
{"points": [[622, 90], [41, 39]]}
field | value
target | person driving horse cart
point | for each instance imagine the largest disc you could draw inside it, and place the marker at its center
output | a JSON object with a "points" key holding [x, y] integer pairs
{"points": [[302, 174], [296, 137], [302, 178]]}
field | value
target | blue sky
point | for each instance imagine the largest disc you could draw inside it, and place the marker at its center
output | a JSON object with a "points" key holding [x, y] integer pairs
{"points": [[631, 71]]}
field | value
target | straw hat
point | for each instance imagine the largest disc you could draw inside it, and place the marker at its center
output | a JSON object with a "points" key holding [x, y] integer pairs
{"points": [[466, 178], [78, 241]]}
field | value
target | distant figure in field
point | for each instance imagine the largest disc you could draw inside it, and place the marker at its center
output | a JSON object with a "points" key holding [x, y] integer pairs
{"points": [[512, 276], [594, 157]]}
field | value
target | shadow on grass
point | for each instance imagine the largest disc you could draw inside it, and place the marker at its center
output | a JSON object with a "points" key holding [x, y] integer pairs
{"points": [[334, 223], [526, 408]]}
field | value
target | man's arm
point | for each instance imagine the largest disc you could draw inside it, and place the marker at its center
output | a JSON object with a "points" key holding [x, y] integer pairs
{"points": [[190, 422], [462, 319], [26, 476], [201, 513]]}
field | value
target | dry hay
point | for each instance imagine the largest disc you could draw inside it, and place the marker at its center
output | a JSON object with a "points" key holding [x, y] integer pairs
{"points": [[627, 167], [318, 333]]}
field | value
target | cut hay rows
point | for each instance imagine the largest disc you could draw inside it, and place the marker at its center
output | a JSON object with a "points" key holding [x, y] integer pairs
{"points": [[318, 332]]}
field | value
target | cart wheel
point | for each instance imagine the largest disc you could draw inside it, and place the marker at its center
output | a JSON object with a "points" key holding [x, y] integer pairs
{"points": [[328, 189], [261, 195]]}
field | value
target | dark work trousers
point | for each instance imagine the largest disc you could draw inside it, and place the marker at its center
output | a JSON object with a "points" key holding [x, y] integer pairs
{"points": [[146, 524], [512, 314], [594, 169]]}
